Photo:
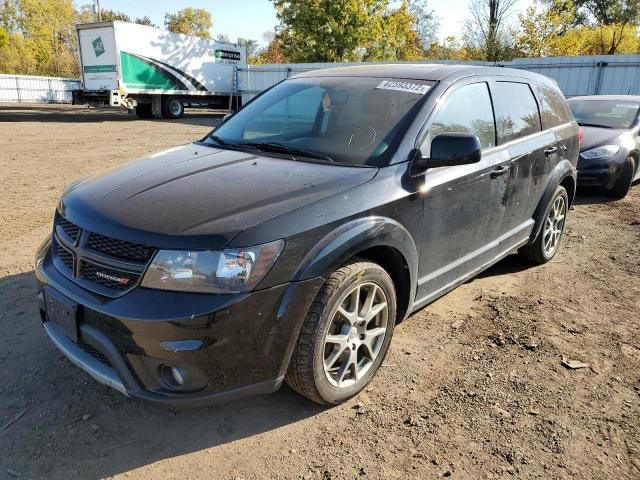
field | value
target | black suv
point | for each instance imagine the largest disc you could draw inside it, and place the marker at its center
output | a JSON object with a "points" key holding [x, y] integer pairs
{"points": [[288, 243]]}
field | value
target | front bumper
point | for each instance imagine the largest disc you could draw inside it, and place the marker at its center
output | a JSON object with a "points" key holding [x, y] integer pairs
{"points": [[599, 172], [228, 346]]}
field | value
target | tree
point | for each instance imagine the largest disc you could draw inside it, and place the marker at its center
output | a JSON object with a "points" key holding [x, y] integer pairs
{"points": [[617, 15], [251, 46], [223, 37], [145, 21], [40, 37], [328, 30], [190, 21], [398, 40], [486, 30], [273, 53], [562, 27], [4, 38], [425, 23], [111, 15]]}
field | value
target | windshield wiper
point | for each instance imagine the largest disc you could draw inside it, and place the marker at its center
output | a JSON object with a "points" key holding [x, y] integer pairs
{"points": [[218, 140], [593, 125], [282, 148]]}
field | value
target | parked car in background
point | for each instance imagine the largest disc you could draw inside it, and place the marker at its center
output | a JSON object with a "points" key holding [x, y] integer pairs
{"points": [[609, 152], [288, 243]]}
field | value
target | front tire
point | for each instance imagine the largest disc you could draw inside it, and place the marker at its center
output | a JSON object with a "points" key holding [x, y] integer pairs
{"points": [[547, 242], [346, 334], [624, 180]]}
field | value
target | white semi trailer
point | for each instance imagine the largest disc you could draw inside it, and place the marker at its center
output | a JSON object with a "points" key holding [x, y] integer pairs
{"points": [[154, 72]]}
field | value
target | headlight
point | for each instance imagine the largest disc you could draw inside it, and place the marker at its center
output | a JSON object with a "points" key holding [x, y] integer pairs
{"points": [[226, 271], [604, 151]]}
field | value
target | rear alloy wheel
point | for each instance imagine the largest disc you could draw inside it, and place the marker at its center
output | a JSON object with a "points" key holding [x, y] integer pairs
{"points": [[547, 242], [172, 107], [624, 180], [345, 335]]}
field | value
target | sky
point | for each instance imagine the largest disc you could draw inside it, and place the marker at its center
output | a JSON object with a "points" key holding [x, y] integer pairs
{"points": [[251, 18]]}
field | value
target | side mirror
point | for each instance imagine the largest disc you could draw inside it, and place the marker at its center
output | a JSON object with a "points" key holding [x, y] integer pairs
{"points": [[451, 149]]}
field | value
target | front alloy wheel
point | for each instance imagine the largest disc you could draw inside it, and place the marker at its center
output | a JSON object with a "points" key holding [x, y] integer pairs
{"points": [[356, 335], [346, 334]]}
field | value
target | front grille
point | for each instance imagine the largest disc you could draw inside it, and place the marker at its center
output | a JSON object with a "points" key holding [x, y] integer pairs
{"points": [[72, 231], [97, 272], [95, 353], [120, 248], [110, 278], [65, 256]]}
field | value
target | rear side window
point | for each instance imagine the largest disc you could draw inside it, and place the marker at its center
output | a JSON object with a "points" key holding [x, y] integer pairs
{"points": [[516, 111], [467, 110], [553, 107]]}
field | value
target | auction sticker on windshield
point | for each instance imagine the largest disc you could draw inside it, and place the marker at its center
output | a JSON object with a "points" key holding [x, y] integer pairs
{"points": [[404, 86]]}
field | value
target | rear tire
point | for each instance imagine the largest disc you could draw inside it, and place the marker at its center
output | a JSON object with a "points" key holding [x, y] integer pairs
{"points": [[340, 348], [172, 107], [624, 180], [547, 243]]}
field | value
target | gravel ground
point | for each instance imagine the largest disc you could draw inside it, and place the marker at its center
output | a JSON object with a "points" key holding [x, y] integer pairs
{"points": [[473, 386]]}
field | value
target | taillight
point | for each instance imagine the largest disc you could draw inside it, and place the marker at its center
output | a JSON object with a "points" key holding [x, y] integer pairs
{"points": [[580, 135]]}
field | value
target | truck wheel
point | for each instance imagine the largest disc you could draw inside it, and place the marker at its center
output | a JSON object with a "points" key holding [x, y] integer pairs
{"points": [[546, 244], [625, 179], [346, 334], [143, 110], [172, 107]]}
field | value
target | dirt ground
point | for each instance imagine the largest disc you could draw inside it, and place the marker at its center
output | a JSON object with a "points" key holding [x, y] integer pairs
{"points": [[473, 386]]}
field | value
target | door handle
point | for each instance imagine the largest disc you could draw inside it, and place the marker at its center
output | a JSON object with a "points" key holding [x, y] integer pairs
{"points": [[550, 151], [499, 171]]}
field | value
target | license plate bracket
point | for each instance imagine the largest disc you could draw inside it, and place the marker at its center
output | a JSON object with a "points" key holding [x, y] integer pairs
{"points": [[62, 311]]}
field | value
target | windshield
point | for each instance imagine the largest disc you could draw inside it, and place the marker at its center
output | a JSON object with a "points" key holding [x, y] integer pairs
{"points": [[342, 120], [604, 113]]}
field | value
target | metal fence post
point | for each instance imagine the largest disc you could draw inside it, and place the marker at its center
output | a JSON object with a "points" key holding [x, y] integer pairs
{"points": [[18, 90], [50, 93]]}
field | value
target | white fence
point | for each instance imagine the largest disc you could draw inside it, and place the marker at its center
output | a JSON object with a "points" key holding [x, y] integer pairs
{"points": [[587, 75], [23, 88]]}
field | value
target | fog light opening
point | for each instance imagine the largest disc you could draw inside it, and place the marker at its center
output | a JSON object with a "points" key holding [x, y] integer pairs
{"points": [[174, 377]]}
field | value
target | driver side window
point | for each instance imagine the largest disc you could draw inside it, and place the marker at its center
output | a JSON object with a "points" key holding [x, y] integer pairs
{"points": [[466, 110]]}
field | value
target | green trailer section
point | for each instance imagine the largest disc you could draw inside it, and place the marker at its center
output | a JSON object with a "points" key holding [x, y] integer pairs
{"points": [[140, 74]]}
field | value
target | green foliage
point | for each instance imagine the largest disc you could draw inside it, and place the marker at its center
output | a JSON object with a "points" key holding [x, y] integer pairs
{"points": [[328, 30], [4, 38], [145, 21], [564, 27], [351, 30], [111, 15], [397, 40], [190, 21]]}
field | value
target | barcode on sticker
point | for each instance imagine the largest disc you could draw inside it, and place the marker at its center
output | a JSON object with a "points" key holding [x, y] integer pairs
{"points": [[404, 86]]}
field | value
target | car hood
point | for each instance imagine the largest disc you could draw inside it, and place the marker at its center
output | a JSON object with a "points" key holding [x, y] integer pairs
{"points": [[202, 193], [595, 136]]}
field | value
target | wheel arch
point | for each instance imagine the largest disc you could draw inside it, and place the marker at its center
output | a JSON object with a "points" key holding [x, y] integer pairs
{"points": [[564, 174], [378, 239]]}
